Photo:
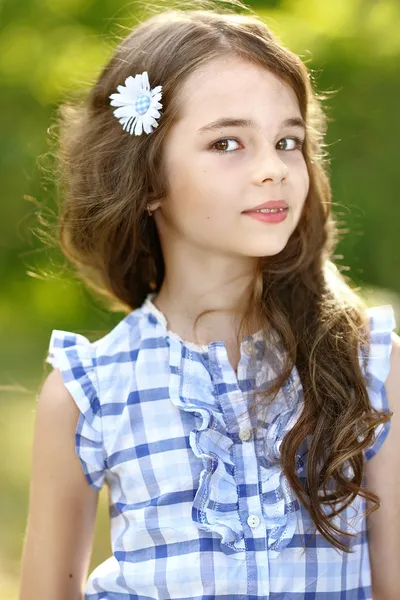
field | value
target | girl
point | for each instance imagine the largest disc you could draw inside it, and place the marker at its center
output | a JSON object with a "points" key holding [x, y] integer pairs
{"points": [[234, 411]]}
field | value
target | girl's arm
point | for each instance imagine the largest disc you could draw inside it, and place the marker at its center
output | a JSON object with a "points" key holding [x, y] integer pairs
{"points": [[383, 478], [62, 505]]}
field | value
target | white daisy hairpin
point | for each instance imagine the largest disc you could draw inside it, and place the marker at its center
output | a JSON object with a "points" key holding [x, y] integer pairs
{"points": [[138, 104]]}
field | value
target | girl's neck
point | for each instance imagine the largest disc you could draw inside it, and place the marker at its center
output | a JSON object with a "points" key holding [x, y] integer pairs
{"points": [[210, 328]]}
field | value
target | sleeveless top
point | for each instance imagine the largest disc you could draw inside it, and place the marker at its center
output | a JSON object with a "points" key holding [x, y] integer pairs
{"points": [[199, 506]]}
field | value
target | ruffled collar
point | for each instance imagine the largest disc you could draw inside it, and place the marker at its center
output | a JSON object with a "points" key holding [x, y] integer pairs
{"points": [[149, 307]]}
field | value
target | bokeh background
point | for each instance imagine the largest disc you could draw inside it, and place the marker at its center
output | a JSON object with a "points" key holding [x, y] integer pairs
{"points": [[50, 49]]}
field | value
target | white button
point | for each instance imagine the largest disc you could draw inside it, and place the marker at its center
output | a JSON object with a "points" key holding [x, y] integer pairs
{"points": [[253, 521], [245, 434]]}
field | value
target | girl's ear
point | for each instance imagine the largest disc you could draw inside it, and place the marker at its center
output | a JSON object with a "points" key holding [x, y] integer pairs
{"points": [[153, 201]]}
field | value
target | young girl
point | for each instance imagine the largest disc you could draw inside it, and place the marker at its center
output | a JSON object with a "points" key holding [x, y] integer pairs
{"points": [[234, 411]]}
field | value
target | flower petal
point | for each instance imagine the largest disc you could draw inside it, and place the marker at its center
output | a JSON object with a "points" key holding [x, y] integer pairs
{"points": [[122, 100], [124, 122], [145, 81], [125, 111], [117, 100], [152, 112], [156, 100], [147, 127], [133, 124], [139, 81], [133, 85], [139, 126]]}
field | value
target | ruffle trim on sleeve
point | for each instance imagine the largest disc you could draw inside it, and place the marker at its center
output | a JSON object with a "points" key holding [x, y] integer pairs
{"points": [[382, 323], [74, 355]]}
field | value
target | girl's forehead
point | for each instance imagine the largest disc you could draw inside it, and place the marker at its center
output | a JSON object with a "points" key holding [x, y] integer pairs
{"points": [[223, 78], [234, 87], [236, 91]]}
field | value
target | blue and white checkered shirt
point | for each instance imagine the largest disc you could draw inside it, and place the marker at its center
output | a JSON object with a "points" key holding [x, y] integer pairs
{"points": [[199, 507]]}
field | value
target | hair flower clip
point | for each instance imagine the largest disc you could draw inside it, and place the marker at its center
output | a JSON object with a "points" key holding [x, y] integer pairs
{"points": [[138, 104]]}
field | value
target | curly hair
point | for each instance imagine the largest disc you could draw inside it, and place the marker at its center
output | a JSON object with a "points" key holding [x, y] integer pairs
{"points": [[108, 177]]}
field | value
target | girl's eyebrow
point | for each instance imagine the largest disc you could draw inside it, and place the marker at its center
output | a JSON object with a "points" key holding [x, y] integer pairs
{"points": [[234, 122]]}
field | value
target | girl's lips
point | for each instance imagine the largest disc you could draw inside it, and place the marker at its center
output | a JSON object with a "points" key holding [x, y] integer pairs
{"points": [[277, 217]]}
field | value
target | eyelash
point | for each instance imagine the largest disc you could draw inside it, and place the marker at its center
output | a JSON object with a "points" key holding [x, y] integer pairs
{"points": [[299, 144]]}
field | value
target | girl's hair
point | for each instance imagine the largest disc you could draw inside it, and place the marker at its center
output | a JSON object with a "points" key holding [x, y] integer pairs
{"points": [[108, 177]]}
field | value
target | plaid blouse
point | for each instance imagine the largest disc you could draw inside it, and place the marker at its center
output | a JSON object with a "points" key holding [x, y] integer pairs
{"points": [[199, 506]]}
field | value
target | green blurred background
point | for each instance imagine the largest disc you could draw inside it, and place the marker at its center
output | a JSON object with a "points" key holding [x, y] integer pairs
{"points": [[50, 49]]}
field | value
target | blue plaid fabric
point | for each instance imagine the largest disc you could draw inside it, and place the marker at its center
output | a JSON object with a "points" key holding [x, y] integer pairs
{"points": [[142, 104], [199, 507]]}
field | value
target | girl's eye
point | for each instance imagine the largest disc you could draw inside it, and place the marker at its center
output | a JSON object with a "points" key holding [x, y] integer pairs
{"points": [[223, 142], [298, 143]]}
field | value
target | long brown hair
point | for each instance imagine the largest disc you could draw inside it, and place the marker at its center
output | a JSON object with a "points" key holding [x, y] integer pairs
{"points": [[106, 179]]}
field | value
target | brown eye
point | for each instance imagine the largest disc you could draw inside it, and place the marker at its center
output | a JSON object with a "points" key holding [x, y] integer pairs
{"points": [[223, 145], [298, 143]]}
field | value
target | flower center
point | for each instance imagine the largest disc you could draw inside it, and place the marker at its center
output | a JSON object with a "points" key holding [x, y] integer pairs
{"points": [[142, 104]]}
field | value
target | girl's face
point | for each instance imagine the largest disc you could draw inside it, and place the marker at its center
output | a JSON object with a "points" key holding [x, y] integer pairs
{"points": [[217, 173]]}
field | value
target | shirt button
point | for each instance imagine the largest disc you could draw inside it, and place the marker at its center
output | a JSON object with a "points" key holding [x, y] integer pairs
{"points": [[245, 434], [253, 521]]}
